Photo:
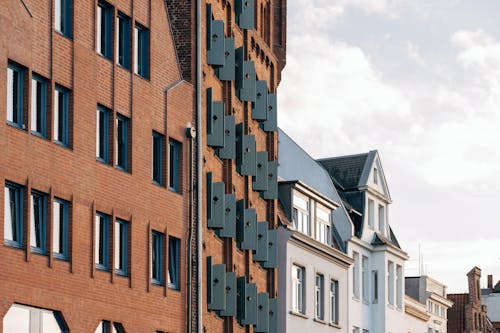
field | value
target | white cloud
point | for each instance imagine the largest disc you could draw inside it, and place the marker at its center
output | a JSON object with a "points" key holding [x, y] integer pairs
{"points": [[413, 53]]}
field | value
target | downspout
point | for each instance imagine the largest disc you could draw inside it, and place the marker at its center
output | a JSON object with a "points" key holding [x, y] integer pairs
{"points": [[191, 134]]}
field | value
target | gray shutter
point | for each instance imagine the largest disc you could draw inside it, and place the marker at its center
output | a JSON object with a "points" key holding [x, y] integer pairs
{"points": [[230, 295], [245, 80], [229, 150], [245, 12], [259, 110], [272, 181], [246, 229], [262, 313], [215, 121], [226, 72], [261, 254], [272, 250], [247, 302], [229, 230], [271, 123], [245, 152], [216, 285], [215, 203], [260, 180], [215, 54], [273, 315]]}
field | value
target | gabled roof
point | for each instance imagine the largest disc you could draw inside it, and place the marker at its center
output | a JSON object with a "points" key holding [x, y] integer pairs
{"points": [[379, 240], [345, 170]]}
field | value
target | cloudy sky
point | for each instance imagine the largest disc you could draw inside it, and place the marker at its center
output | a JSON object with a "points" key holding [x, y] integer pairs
{"points": [[420, 82]]}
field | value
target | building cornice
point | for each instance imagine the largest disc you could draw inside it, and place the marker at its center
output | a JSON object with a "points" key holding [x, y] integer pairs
{"points": [[440, 299], [414, 311]]}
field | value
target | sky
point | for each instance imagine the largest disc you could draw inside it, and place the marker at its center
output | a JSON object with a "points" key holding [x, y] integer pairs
{"points": [[420, 82]]}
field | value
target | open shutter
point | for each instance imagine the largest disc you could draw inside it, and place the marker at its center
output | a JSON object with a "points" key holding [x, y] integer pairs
{"points": [[246, 229], [261, 175], [262, 313], [245, 12], [226, 72], [216, 285], [261, 253], [215, 121], [229, 229], [272, 181], [229, 150], [271, 123]]}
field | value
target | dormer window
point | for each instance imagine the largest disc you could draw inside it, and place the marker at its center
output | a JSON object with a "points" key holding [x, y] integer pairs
{"points": [[300, 217], [323, 224], [375, 175]]}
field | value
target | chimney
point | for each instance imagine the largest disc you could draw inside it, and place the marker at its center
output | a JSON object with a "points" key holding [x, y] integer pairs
{"points": [[490, 282]]}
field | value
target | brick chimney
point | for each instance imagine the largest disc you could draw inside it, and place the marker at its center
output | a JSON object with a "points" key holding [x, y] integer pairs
{"points": [[490, 282]]}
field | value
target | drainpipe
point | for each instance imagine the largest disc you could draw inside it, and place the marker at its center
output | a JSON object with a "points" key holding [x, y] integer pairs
{"points": [[191, 134]]}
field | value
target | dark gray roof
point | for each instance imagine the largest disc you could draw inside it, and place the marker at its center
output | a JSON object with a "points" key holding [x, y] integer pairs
{"points": [[346, 170]]}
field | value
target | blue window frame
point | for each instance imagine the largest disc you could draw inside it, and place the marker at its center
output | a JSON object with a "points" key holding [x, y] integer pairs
{"points": [[15, 95], [122, 127], [158, 140], [63, 20], [104, 32], [39, 105], [175, 163], [123, 40], [121, 247], [141, 51], [38, 222], [60, 228], [13, 215], [157, 240], [102, 241], [61, 116], [173, 262], [102, 134]]}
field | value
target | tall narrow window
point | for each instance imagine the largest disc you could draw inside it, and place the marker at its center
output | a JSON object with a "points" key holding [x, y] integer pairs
{"points": [[121, 141], [355, 275], [121, 247], [334, 302], [157, 257], [371, 212], [63, 20], [375, 175], [364, 278], [381, 219], [61, 115], [101, 241], [60, 212], [301, 220], [15, 104], [175, 164], [102, 134], [298, 275], [399, 286], [104, 31], [123, 40], [320, 300], [375, 286], [13, 215], [173, 262], [158, 140], [390, 282], [323, 224], [38, 222], [38, 105], [141, 51]]}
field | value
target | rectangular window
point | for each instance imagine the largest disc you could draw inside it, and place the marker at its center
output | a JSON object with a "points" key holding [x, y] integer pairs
{"points": [[38, 105], [38, 222], [298, 275], [334, 301], [174, 165], [102, 134], [121, 142], [13, 215], [323, 224], [141, 51], [158, 140], [355, 275], [300, 217], [173, 262], [381, 219], [364, 278], [60, 232], [375, 175], [61, 115], [371, 212], [63, 17], [104, 31], [157, 241], [399, 286], [15, 103], [390, 282], [102, 241], [374, 286], [121, 247], [123, 40], [320, 300]]}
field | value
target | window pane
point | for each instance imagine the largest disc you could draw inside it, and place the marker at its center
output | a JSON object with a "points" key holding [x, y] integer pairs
{"points": [[49, 323], [10, 94], [37, 222], [158, 158], [57, 106], [173, 262], [56, 227], [9, 225], [121, 142], [174, 162], [57, 12], [17, 320], [136, 50]]}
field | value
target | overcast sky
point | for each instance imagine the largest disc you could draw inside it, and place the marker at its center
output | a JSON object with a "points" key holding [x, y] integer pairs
{"points": [[418, 80]]}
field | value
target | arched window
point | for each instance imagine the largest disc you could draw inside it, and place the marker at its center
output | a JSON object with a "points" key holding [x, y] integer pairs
{"points": [[27, 319]]}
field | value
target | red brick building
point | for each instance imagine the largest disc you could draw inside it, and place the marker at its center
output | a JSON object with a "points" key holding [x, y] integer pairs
{"points": [[95, 165]]}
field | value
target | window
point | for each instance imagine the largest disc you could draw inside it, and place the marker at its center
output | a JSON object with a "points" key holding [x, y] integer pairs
{"points": [[106, 326], [371, 213], [157, 258], [390, 282], [123, 40], [60, 211], [121, 149], [374, 286], [121, 247], [158, 140], [141, 51], [323, 224], [63, 17], [355, 275], [38, 222], [173, 262], [38, 105], [102, 135], [101, 241], [364, 278], [175, 164], [61, 114], [320, 299], [334, 301], [298, 274], [104, 31], [375, 175], [27, 319], [399, 286], [13, 215], [381, 218], [15, 95], [301, 214]]}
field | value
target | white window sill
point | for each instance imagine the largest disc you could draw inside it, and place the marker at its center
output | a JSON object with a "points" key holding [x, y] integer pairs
{"points": [[335, 325], [320, 321], [298, 314]]}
